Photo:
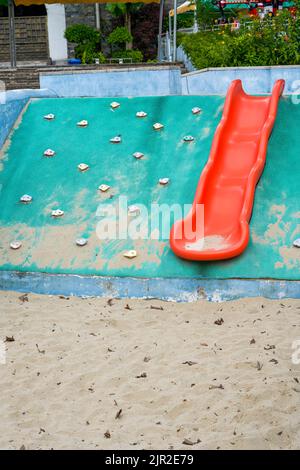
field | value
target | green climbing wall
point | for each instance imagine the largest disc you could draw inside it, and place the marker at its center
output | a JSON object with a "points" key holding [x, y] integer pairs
{"points": [[48, 244]]}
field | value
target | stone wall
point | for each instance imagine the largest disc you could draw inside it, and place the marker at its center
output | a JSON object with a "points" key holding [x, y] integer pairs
{"points": [[31, 38], [144, 24], [79, 14]]}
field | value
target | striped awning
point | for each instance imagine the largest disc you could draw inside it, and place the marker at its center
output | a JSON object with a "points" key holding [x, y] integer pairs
{"points": [[42, 2]]}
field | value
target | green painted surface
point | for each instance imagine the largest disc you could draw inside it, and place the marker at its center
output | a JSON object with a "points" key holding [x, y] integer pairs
{"points": [[49, 244]]}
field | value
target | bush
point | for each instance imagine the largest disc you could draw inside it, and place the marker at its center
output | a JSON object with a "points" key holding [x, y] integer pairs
{"points": [[119, 36], [133, 54], [272, 41], [89, 55], [88, 43], [184, 20], [82, 34]]}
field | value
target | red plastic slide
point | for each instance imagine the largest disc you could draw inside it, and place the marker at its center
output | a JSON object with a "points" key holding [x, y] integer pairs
{"points": [[227, 184]]}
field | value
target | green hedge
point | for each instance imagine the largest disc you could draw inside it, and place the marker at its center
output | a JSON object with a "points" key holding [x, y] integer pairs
{"points": [[272, 41], [133, 54]]}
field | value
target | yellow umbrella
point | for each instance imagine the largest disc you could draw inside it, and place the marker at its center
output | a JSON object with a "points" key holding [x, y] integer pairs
{"points": [[42, 2], [186, 6]]}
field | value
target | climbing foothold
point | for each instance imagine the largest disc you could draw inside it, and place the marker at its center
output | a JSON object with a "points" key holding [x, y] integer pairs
{"points": [[164, 181], [115, 105], [83, 167], [49, 117], [116, 140], [103, 188], [188, 138], [26, 199], [141, 114], [133, 210], [82, 123], [296, 243], [81, 241], [196, 110], [15, 245], [49, 153], [138, 155], [157, 126], [57, 213], [130, 254]]}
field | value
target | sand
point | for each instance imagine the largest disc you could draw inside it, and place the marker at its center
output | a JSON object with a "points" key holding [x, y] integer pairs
{"points": [[146, 374]]}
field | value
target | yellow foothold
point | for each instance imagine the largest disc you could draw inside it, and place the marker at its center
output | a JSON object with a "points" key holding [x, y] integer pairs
{"points": [[57, 213], [104, 187], [130, 254], [164, 181], [83, 167], [15, 245]]}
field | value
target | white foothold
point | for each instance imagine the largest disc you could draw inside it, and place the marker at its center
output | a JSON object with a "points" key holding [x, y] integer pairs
{"points": [[116, 140], [133, 210], [104, 187], [82, 123], [115, 105], [138, 155], [49, 153], [196, 110], [26, 199], [188, 138], [141, 114], [157, 126], [49, 117], [83, 167], [164, 181], [15, 245], [81, 241], [130, 254], [57, 213], [296, 243]]}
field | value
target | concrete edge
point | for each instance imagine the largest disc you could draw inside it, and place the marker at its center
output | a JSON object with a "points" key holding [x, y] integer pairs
{"points": [[258, 67], [169, 289], [110, 69]]}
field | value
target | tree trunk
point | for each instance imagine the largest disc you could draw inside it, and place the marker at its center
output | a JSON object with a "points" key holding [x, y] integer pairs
{"points": [[128, 26]]}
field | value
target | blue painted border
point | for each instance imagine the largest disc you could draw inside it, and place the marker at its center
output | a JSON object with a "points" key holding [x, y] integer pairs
{"points": [[12, 104], [179, 290], [141, 81], [256, 80]]}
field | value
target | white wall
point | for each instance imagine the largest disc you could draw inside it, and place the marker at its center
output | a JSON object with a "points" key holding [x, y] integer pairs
{"points": [[56, 27]]}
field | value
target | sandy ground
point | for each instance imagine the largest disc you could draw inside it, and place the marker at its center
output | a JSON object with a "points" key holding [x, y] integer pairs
{"points": [[131, 374]]}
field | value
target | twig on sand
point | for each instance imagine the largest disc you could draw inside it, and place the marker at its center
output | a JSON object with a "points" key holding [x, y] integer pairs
{"points": [[189, 363], [41, 351], [9, 339], [24, 298], [215, 387], [143, 375], [188, 442]]}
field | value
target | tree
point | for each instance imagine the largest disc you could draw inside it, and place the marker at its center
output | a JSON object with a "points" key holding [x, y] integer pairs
{"points": [[126, 10]]}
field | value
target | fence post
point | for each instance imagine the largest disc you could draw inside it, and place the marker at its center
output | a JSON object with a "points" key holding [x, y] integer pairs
{"points": [[12, 35], [161, 16], [175, 32]]}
